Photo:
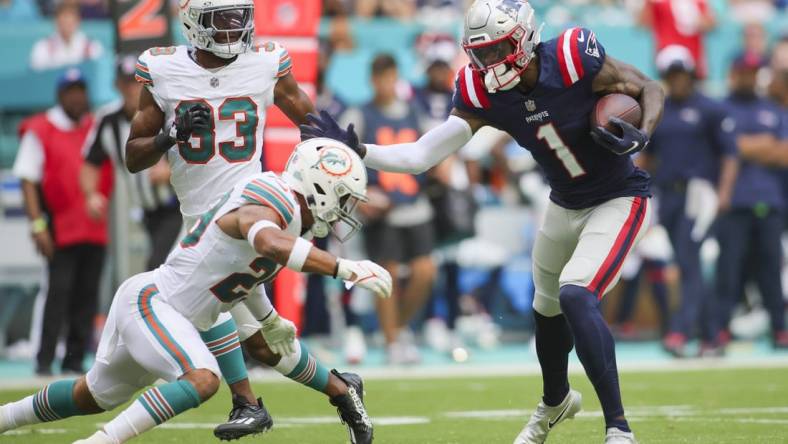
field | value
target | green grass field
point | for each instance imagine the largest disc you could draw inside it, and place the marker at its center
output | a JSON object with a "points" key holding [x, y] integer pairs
{"points": [[710, 406]]}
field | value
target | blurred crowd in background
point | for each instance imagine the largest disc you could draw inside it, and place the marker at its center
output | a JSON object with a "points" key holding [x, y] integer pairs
{"points": [[458, 238]]}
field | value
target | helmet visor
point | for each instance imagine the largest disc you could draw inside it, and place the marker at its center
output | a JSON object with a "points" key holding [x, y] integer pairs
{"points": [[485, 55], [228, 25]]}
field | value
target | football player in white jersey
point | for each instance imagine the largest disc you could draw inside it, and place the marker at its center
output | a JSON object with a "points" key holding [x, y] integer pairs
{"points": [[153, 327], [210, 100]]}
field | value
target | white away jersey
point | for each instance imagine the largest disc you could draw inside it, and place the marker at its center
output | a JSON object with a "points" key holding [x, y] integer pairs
{"points": [[238, 96], [208, 272]]}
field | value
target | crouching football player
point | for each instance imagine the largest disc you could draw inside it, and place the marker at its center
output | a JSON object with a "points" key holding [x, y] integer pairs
{"points": [[153, 327]]}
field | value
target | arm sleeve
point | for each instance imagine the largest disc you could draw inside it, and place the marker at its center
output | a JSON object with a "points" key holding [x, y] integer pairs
{"points": [[29, 163], [421, 155], [258, 303]]}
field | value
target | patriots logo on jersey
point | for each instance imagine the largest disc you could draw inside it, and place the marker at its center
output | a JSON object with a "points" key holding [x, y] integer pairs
{"points": [[591, 48]]}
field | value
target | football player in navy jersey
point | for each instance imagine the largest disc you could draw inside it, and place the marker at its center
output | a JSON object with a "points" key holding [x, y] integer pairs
{"points": [[543, 94]]}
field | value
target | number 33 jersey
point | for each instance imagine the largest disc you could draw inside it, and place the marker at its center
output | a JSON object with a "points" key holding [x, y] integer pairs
{"points": [[237, 94], [208, 271], [553, 122]]}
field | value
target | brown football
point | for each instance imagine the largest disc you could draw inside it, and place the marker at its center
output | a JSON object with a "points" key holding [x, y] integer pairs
{"points": [[620, 105]]}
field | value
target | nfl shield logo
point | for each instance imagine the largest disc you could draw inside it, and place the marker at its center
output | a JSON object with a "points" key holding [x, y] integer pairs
{"points": [[530, 105], [214, 82]]}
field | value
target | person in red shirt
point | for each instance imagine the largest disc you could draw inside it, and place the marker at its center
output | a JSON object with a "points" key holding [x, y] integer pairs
{"points": [[48, 164], [680, 22]]}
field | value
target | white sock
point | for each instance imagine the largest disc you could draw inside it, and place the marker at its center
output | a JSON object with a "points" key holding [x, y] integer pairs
{"points": [[130, 423], [19, 413]]}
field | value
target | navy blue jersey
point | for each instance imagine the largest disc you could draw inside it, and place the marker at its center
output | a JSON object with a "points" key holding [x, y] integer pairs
{"points": [[757, 184], [691, 139], [552, 121]]}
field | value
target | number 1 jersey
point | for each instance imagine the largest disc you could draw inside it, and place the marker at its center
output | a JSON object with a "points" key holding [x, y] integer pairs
{"points": [[237, 95], [208, 271], [552, 121]]}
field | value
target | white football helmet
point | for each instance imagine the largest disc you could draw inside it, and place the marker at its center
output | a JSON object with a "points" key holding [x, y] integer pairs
{"points": [[500, 37], [222, 27], [333, 180]]}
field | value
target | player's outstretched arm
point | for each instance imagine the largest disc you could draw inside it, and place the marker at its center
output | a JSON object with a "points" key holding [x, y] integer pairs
{"points": [[431, 149], [261, 226], [292, 100], [622, 78], [141, 149]]}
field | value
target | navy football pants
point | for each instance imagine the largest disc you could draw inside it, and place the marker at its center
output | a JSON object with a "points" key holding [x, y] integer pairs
{"points": [[744, 236], [693, 311]]}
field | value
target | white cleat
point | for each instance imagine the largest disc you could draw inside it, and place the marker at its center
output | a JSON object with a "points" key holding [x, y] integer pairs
{"points": [[97, 438], [545, 418], [616, 436]]}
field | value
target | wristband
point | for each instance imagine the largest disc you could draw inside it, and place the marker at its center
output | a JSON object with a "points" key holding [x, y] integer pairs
{"points": [[163, 142], [259, 225], [298, 254], [38, 225], [336, 268]]}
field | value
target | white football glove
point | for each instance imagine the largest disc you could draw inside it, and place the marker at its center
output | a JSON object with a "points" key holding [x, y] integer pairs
{"points": [[365, 274], [279, 333]]}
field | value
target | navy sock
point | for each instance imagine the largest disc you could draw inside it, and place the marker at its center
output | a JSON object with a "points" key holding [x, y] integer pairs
{"points": [[553, 344], [596, 350]]}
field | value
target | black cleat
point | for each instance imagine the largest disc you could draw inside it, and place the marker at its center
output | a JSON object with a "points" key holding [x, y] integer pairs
{"points": [[245, 419], [350, 407]]}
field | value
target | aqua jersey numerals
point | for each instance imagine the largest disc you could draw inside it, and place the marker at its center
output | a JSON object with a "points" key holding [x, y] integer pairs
{"points": [[201, 148], [239, 285], [243, 111]]}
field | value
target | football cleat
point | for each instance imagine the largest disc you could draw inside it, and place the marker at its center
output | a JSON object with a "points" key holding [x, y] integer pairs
{"points": [[545, 418], [245, 419], [350, 407], [616, 436], [97, 438]]}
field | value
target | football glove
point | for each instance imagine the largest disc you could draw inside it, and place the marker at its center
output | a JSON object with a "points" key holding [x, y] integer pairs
{"points": [[631, 141], [190, 121], [325, 126], [279, 333], [365, 274]]}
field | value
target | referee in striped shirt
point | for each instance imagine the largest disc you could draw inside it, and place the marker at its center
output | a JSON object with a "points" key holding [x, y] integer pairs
{"points": [[149, 189]]}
